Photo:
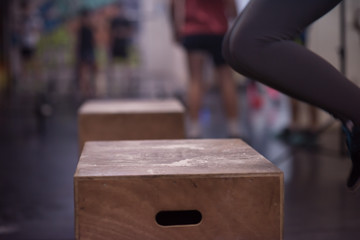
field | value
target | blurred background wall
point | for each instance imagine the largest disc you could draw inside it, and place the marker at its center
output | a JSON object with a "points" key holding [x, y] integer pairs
{"points": [[161, 60]]}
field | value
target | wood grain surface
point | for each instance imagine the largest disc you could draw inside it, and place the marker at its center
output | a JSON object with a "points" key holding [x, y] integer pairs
{"points": [[121, 186]]}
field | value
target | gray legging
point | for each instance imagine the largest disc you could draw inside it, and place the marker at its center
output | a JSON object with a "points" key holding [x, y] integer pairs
{"points": [[260, 46]]}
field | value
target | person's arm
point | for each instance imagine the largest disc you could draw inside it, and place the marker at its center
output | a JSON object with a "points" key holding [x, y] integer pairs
{"points": [[177, 13], [230, 9], [111, 34], [357, 19]]}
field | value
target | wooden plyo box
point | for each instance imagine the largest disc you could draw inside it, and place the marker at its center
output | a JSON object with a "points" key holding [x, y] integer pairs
{"points": [[107, 120], [177, 189]]}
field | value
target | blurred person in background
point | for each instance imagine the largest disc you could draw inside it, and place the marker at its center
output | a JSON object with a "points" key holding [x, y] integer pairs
{"points": [[121, 33], [200, 25], [85, 54], [26, 36]]}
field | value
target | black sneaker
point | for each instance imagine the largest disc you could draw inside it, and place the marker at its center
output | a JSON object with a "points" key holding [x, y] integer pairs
{"points": [[353, 144]]}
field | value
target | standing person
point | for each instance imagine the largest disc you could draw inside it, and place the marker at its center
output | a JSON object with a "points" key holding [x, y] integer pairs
{"points": [[260, 45], [201, 25], [28, 37], [121, 33], [85, 51]]}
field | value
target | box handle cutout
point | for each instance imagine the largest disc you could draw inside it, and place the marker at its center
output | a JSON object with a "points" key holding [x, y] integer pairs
{"points": [[178, 218]]}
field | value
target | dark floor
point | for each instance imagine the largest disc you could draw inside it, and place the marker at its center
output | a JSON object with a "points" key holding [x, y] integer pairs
{"points": [[38, 159]]}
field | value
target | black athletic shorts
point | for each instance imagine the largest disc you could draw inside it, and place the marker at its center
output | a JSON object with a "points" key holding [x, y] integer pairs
{"points": [[209, 43], [120, 48], [27, 52]]}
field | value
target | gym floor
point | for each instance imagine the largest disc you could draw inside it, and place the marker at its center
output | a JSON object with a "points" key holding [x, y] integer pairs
{"points": [[39, 156]]}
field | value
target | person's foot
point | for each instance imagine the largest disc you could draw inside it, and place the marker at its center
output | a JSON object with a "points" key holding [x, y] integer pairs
{"points": [[353, 144], [194, 130], [233, 128], [310, 139], [284, 134]]}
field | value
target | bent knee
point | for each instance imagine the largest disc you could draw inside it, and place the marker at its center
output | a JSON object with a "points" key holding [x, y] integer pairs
{"points": [[226, 52], [240, 51]]}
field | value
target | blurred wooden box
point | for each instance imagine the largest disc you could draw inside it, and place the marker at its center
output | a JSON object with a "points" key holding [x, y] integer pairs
{"points": [[106, 120], [177, 189]]}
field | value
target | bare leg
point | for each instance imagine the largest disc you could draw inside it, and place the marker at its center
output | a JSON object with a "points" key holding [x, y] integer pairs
{"points": [[195, 91], [228, 91], [295, 114], [229, 98], [314, 118]]}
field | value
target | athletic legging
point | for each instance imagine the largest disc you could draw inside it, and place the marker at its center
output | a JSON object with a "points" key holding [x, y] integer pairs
{"points": [[260, 45]]}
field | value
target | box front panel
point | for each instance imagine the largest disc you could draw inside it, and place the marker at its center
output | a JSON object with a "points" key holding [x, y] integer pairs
{"points": [[231, 207]]}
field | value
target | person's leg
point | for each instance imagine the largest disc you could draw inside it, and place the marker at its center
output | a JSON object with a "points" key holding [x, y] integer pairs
{"points": [[294, 125], [313, 118], [195, 92], [260, 46], [83, 84], [110, 70], [228, 90], [226, 81], [229, 97], [38, 86], [25, 73], [93, 70]]}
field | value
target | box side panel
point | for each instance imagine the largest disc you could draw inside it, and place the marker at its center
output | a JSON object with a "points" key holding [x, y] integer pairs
{"points": [[109, 127], [282, 204], [76, 210]]}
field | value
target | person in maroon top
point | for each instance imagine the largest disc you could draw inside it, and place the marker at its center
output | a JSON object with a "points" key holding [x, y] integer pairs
{"points": [[200, 25]]}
